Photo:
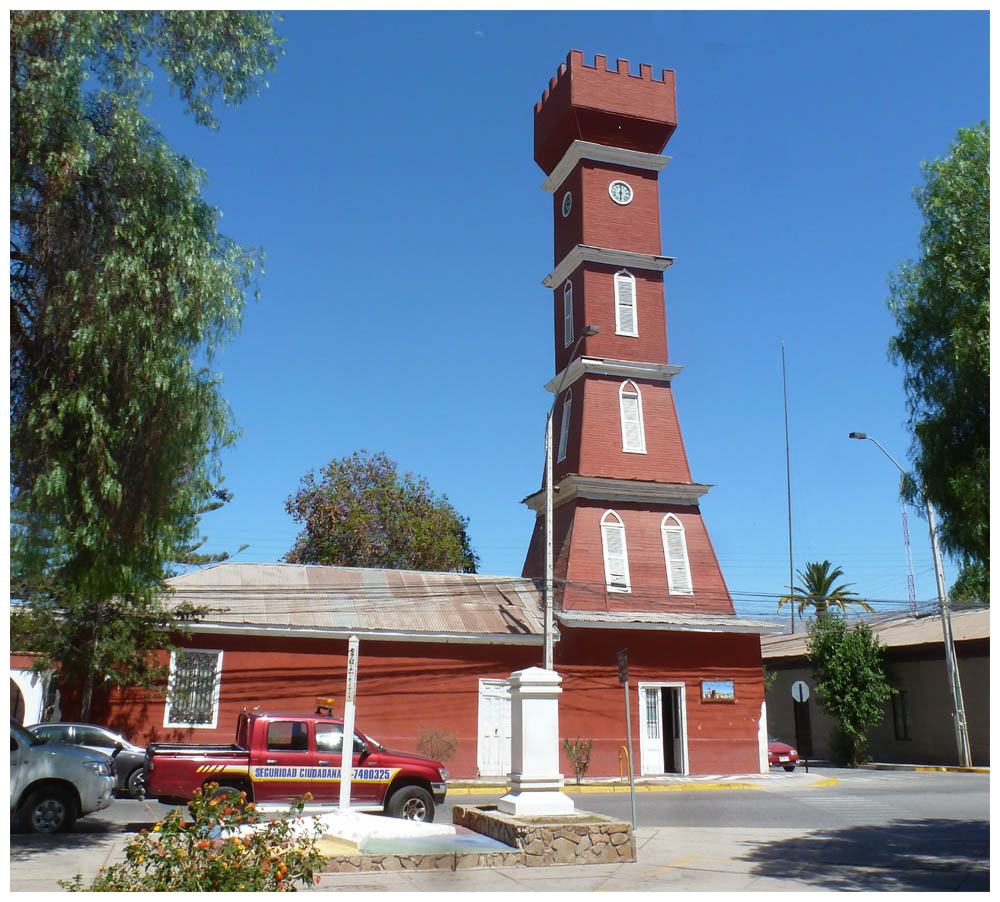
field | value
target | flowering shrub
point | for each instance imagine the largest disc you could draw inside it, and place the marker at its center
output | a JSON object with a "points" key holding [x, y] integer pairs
{"points": [[225, 847]]}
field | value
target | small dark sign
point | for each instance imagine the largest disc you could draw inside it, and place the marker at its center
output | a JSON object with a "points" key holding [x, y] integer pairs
{"points": [[623, 667]]}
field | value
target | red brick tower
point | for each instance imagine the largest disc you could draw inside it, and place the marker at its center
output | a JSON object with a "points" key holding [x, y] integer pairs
{"points": [[627, 531]]}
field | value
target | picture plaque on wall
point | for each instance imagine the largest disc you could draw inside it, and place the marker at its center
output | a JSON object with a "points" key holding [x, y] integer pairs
{"points": [[717, 691]]}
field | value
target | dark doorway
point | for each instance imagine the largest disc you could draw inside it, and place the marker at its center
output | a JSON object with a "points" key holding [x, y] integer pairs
{"points": [[670, 701]]}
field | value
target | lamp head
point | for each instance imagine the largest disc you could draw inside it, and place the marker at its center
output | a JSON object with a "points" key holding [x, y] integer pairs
{"points": [[588, 331], [857, 435]]}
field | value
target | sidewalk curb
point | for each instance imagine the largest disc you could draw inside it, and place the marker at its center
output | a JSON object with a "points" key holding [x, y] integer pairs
{"points": [[927, 768], [691, 786]]}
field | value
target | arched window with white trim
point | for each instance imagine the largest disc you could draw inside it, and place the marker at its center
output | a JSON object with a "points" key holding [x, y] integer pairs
{"points": [[615, 553], [564, 425], [676, 556], [626, 322], [568, 314], [630, 405]]}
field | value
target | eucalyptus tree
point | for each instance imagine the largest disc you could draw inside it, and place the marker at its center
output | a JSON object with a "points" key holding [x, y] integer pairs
{"points": [[122, 288], [817, 591], [941, 304]]}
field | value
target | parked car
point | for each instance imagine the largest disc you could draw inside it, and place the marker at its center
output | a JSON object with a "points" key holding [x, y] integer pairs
{"points": [[782, 753], [127, 760], [51, 784]]}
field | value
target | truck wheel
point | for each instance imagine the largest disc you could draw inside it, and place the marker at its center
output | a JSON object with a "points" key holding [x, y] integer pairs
{"points": [[231, 794], [412, 804], [137, 783], [48, 810]]}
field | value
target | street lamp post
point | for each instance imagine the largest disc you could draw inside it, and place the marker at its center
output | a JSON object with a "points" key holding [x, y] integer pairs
{"points": [[954, 681], [547, 658]]}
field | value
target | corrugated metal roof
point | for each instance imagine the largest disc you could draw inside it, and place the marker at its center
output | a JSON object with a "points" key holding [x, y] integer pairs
{"points": [[716, 623], [893, 631], [317, 598]]}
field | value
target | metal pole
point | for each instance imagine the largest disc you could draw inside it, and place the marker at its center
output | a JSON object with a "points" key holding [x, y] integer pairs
{"points": [[631, 768], [951, 663], [954, 681], [547, 662], [788, 480]]}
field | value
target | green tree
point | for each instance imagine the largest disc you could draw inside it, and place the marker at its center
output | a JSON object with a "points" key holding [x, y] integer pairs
{"points": [[819, 593], [362, 513], [972, 587], [851, 682], [121, 290], [942, 308]]}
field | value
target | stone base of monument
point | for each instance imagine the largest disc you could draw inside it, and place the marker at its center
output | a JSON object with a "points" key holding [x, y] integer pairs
{"points": [[553, 839]]}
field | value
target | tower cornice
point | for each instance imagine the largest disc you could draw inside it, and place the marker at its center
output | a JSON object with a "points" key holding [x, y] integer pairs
{"points": [[606, 366], [584, 253], [605, 488], [588, 150]]}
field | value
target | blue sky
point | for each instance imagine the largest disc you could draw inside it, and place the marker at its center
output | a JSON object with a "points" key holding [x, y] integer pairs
{"points": [[387, 172]]}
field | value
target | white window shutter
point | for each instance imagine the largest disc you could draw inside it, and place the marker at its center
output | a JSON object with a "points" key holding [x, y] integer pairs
{"points": [[568, 315], [633, 438], [675, 552], [615, 557], [625, 304], [564, 426]]}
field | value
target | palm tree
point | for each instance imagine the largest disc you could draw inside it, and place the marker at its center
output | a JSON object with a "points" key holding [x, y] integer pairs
{"points": [[818, 592]]}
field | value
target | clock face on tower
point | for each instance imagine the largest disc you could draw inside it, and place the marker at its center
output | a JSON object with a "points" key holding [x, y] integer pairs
{"points": [[567, 203], [621, 192]]}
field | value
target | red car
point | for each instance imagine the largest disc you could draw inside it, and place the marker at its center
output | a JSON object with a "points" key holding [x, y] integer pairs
{"points": [[782, 753]]}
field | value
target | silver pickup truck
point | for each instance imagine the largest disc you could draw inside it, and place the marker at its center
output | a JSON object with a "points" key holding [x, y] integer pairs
{"points": [[52, 784]]}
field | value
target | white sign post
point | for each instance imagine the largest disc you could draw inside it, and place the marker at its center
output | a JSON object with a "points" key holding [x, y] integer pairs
{"points": [[347, 749]]}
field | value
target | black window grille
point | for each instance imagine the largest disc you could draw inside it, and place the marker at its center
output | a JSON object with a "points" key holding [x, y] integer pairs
{"points": [[192, 690]]}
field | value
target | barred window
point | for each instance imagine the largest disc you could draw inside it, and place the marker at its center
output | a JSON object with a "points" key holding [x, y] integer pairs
{"points": [[901, 714], [193, 689]]}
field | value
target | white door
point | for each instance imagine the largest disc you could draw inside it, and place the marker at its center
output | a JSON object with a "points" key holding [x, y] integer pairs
{"points": [[493, 756], [650, 731], [662, 729]]}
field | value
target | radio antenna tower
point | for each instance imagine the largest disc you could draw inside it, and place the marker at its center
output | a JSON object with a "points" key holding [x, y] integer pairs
{"points": [[911, 587]]}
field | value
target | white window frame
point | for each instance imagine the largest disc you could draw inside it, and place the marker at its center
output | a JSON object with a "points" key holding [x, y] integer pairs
{"points": [[567, 409], [608, 524], [641, 449], [676, 530], [567, 314], [167, 722], [621, 277]]}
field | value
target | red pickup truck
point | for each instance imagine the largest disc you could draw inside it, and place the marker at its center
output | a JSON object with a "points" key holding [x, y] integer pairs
{"points": [[278, 757]]}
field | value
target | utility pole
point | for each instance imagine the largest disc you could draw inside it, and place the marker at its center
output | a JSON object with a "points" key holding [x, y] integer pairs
{"points": [[954, 681]]}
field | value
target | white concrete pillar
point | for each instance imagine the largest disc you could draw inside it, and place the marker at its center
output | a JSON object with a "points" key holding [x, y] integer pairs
{"points": [[535, 781]]}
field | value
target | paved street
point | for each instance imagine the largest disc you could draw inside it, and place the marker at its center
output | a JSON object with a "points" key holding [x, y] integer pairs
{"points": [[830, 830]]}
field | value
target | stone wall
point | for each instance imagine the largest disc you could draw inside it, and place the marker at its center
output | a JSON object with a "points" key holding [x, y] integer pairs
{"points": [[583, 838]]}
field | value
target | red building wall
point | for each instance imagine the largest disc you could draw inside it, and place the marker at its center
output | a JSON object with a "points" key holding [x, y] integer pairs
{"points": [[403, 687]]}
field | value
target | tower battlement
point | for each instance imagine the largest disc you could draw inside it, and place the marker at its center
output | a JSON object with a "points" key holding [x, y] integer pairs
{"points": [[594, 103]]}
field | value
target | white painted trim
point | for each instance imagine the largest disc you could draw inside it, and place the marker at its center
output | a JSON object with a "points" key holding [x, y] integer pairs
{"points": [[683, 714], [567, 412], [677, 528], [569, 326], [618, 490], [621, 410], [619, 524], [603, 153], [604, 366], [293, 632], [167, 723], [624, 277], [606, 255]]}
